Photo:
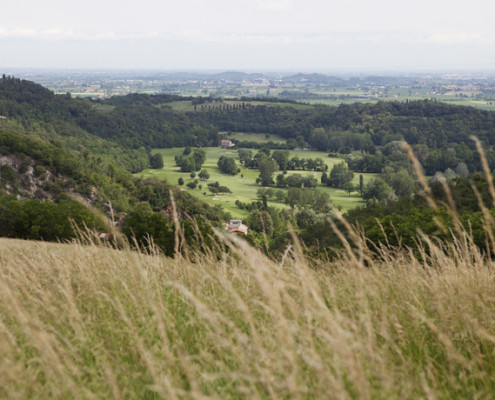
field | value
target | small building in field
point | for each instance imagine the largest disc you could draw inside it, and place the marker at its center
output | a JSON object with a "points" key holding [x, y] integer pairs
{"points": [[236, 226], [226, 144]]}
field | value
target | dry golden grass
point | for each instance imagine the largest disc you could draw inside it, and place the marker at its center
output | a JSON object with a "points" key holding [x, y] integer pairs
{"points": [[84, 321]]}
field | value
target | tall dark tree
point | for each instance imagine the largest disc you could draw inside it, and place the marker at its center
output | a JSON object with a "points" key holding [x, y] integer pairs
{"points": [[282, 158], [156, 161], [142, 225], [204, 175], [244, 155], [340, 175], [324, 178], [227, 165], [267, 168]]}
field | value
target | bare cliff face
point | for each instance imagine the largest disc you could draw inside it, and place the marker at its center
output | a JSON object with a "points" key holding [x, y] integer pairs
{"points": [[23, 178]]}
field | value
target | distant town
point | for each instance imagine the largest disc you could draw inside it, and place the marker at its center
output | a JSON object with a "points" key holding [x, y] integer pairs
{"points": [[465, 88]]}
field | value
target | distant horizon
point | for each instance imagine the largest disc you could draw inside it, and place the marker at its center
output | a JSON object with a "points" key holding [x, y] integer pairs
{"points": [[213, 71]]}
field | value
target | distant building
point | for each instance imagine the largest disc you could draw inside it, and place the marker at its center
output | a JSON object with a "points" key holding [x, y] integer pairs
{"points": [[105, 236], [226, 144], [236, 226]]}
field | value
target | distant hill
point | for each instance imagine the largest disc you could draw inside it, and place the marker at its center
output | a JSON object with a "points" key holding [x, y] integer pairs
{"points": [[314, 79], [197, 76]]}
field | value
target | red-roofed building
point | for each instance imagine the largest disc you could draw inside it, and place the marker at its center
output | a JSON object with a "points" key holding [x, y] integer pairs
{"points": [[226, 144], [236, 226]]}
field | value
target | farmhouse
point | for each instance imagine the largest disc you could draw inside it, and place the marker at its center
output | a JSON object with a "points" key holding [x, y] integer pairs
{"points": [[226, 144], [236, 226]]}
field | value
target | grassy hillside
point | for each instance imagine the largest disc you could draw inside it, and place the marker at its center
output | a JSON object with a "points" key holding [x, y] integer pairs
{"points": [[244, 188], [89, 322]]}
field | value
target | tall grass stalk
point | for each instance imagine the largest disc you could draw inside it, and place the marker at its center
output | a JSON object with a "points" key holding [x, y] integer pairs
{"points": [[84, 321]]}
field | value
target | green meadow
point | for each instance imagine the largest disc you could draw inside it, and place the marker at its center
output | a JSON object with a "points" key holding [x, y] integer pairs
{"points": [[243, 185], [255, 137]]}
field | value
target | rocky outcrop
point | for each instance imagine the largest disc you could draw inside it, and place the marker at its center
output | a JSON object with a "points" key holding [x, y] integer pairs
{"points": [[23, 178]]}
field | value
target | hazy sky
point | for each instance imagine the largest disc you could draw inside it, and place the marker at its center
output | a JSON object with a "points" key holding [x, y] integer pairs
{"points": [[248, 34]]}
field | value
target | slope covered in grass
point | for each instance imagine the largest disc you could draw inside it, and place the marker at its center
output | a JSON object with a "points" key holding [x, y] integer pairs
{"points": [[84, 321]]}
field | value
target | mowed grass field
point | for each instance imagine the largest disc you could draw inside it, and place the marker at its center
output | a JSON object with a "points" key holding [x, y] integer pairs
{"points": [[243, 185]]}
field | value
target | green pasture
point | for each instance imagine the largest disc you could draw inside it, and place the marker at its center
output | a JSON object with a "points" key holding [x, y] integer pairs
{"points": [[256, 137], [243, 185], [482, 104], [265, 103], [393, 94], [336, 103], [472, 102], [85, 94], [182, 105], [399, 94], [340, 92], [103, 108]]}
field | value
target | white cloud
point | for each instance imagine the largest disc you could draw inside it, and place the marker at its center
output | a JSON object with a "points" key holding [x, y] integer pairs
{"points": [[371, 38], [58, 34], [256, 39]]}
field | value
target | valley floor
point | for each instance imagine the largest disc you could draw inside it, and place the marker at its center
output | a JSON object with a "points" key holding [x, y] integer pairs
{"points": [[243, 185]]}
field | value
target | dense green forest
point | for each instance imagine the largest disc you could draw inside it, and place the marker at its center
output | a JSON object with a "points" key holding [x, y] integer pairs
{"points": [[63, 151], [439, 133], [52, 168]]}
